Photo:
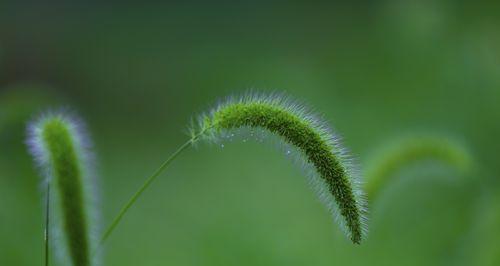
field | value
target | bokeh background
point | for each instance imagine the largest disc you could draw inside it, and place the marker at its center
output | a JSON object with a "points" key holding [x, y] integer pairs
{"points": [[137, 73]]}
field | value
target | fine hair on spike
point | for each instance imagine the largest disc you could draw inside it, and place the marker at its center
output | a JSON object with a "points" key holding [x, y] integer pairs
{"points": [[332, 171], [60, 147], [334, 176], [410, 150]]}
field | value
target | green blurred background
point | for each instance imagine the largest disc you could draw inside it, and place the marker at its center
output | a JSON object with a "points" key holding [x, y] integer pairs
{"points": [[137, 73]]}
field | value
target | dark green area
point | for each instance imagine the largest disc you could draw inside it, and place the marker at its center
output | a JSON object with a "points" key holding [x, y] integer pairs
{"points": [[137, 73]]}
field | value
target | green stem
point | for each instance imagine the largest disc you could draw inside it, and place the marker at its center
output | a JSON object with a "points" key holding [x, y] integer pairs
{"points": [[144, 186], [47, 210]]}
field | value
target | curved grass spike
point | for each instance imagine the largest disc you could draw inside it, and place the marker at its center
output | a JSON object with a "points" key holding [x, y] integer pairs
{"points": [[412, 150], [59, 147], [295, 126]]}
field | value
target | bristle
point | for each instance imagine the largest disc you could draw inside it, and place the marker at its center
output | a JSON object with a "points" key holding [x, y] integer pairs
{"points": [[61, 149], [335, 177]]}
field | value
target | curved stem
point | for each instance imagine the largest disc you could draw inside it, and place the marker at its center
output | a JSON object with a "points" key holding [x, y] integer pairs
{"points": [[144, 186], [46, 233]]}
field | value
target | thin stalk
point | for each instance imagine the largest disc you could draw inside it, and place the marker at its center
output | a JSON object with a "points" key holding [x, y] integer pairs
{"points": [[144, 186], [46, 236]]}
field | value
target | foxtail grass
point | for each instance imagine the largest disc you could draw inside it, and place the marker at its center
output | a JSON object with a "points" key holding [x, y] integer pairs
{"points": [[294, 125], [59, 146], [408, 151]]}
